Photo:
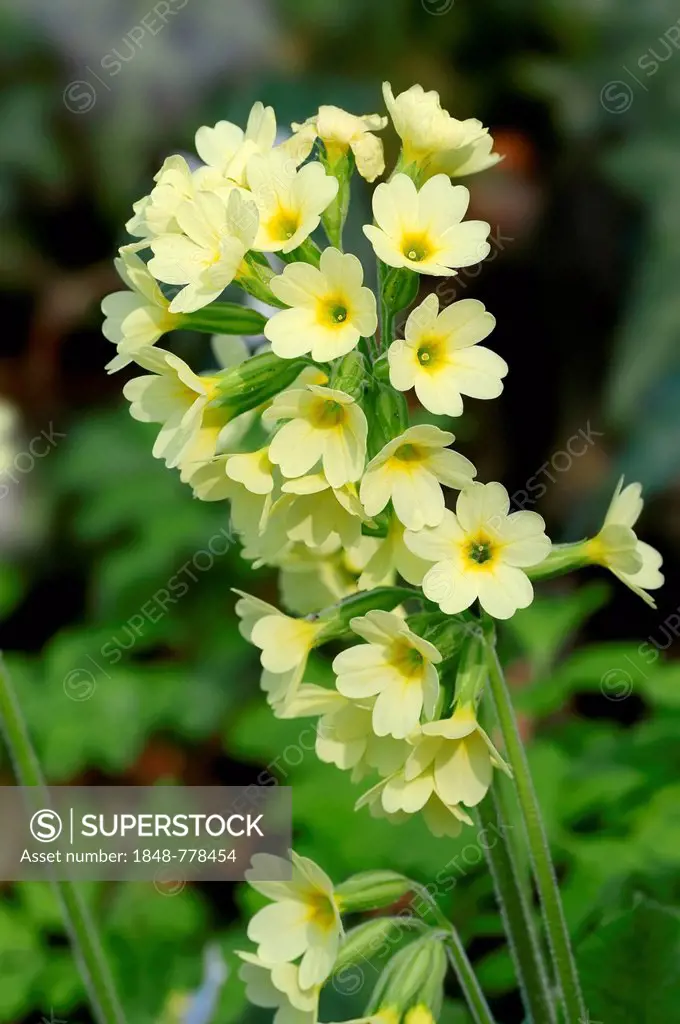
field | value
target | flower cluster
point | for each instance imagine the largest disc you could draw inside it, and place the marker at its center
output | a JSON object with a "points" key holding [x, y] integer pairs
{"points": [[379, 528]]}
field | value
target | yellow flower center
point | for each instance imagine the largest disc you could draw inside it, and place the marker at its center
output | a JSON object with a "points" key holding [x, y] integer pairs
{"points": [[332, 311], [283, 224], [416, 247], [320, 912], [480, 551], [430, 353], [328, 415], [406, 659]]}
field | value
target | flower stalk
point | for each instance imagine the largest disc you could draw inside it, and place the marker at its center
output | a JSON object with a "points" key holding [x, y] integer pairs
{"points": [[78, 922], [544, 871]]}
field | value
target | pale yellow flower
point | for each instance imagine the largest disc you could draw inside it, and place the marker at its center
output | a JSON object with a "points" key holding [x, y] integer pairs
{"points": [[480, 552], [226, 148], [156, 214], [396, 666], [330, 308], [409, 470], [617, 547], [310, 579], [277, 987], [138, 317], [285, 644], [301, 923], [289, 201], [313, 513], [325, 425], [391, 555], [173, 395], [422, 229], [440, 356], [341, 131], [205, 257], [435, 141]]}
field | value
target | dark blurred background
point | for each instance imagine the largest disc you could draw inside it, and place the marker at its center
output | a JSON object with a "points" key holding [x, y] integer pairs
{"points": [[583, 98]]}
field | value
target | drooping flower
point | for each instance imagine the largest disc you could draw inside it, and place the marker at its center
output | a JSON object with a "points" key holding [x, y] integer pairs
{"points": [[396, 666], [278, 988], [440, 356], [424, 230], [206, 255], [479, 553], [340, 131], [435, 141], [392, 555], [330, 308], [313, 513], [617, 547], [173, 395], [138, 317], [344, 733], [409, 471], [285, 643], [310, 579], [156, 214], [301, 923], [325, 425], [289, 201]]}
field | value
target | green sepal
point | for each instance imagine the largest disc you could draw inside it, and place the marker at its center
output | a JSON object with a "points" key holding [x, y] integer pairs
{"points": [[307, 252], [255, 381], [400, 288], [447, 633], [387, 419], [224, 318], [254, 277], [334, 216], [351, 375], [338, 616], [371, 890], [562, 559], [413, 977]]}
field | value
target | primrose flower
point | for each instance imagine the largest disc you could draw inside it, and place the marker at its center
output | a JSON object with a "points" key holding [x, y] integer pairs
{"points": [[205, 257], [172, 394], [396, 665], [290, 202], [285, 643], [278, 988], [156, 214], [303, 921], [400, 802], [422, 230], [311, 512], [315, 578], [435, 141], [409, 471], [440, 357], [137, 317], [341, 131], [324, 425], [617, 547], [479, 553], [226, 148], [330, 309], [344, 734]]}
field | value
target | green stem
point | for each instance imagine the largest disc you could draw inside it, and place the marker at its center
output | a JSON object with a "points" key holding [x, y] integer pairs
{"points": [[544, 872], [78, 922], [516, 914], [458, 958]]}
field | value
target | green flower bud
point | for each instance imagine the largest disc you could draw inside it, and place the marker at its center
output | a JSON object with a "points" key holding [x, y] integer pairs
{"points": [[351, 375], [255, 381], [370, 890], [381, 368], [446, 632], [413, 977], [224, 318]]}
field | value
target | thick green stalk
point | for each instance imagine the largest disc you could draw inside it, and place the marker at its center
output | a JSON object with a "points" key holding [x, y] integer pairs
{"points": [[78, 922], [458, 958], [544, 872], [516, 913]]}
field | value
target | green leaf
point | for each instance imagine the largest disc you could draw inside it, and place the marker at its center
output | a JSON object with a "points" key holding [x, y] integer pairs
{"points": [[630, 967]]}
